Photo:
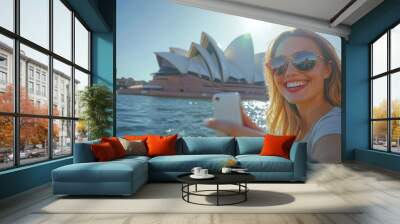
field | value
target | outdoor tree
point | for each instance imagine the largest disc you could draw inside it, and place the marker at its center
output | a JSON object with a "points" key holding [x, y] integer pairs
{"points": [[380, 127], [33, 131]]}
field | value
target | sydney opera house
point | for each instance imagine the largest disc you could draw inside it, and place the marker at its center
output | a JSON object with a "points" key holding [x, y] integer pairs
{"points": [[205, 69]]}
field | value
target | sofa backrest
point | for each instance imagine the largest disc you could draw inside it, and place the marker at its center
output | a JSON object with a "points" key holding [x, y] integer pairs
{"points": [[83, 152], [206, 145], [249, 145]]}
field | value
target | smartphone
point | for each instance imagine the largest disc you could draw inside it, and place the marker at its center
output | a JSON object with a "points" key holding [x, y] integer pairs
{"points": [[227, 107]]}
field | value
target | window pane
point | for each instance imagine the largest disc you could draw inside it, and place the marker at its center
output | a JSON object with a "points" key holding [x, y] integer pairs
{"points": [[81, 81], [62, 138], [81, 45], [35, 21], [7, 14], [379, 100], [33, 139], [62, 89], [6, 74], [395, 136], [34, 97], [62, 29], [379, 135], [81, 132], [6, 142], [395, 47], [395, 94], [379, 55]]}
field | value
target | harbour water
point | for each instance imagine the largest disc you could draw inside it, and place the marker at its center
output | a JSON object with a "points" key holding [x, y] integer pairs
{"points": [[139, 115]]}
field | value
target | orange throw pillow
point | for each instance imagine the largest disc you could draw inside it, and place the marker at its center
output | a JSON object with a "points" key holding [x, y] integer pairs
{"points": [[103, 152], [275, 145], [136, 137], [116, 145], [161, 145]]}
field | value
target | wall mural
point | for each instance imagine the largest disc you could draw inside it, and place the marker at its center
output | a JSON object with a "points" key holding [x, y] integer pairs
{"points": [[230, 77]]}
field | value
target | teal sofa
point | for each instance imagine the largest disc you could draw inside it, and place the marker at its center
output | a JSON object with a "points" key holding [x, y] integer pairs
{"points": [[125, 176]]}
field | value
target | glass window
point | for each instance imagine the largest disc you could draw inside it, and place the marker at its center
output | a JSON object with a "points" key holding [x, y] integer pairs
{"points": [[40, 62], [395, 47], [37, 89], [33, 139], [44, 91], [30, 71], [34, 21], [62, 137], [62, 29], [382, 138], [62, 72], [3, 60], [31, 88], [6, 142], [379, 135], [395, 95], [34, 80], [81, 82], [81, 131], [379, 100], [81, 45], [37, 74], [6, 74], [379, 56], [7, 14], [395, 136]]}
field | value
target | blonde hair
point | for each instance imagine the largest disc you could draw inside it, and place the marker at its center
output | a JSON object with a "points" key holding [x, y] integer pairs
{"points": [[283, 117]]}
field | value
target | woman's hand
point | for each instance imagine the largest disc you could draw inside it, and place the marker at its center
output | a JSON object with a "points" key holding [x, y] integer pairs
{"points": [[247, 122], [249, 128]]}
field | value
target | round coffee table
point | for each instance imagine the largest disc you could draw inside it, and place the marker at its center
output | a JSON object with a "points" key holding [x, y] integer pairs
{"points": [[238, 179]]}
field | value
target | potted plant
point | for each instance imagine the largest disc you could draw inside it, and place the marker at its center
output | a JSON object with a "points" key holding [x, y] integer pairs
{"points": [[96, 103]]}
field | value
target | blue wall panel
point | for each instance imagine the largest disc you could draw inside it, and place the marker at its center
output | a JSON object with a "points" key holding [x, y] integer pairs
{"points": [[24, 178], [102, 58], [357, 99]]}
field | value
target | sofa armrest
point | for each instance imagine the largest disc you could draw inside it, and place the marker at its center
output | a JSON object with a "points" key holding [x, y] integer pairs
{"points": [[83, 152], [298, 155]]}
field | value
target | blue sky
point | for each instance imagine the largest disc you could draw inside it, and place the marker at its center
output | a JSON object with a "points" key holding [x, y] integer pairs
{"points": [[145, 27], [35, 27]]}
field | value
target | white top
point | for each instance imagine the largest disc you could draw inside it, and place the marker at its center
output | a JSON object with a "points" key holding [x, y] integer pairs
{"points": [[328, 124]]}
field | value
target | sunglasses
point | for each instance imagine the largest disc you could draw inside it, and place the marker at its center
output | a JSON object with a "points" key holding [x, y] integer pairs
{"points": [[302, 60]]}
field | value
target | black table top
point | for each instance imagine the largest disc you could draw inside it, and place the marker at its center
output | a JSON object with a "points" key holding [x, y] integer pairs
{"points": [[220, 178]]}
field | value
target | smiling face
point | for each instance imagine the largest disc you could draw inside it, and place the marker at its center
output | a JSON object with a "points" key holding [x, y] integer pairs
{"points": [[301, 86]]}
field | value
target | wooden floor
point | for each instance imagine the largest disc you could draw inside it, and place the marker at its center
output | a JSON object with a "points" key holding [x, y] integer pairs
{"points": [[379, 189]]}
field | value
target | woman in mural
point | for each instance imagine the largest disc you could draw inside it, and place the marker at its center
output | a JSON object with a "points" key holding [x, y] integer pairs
{"points": [[303, 76]]}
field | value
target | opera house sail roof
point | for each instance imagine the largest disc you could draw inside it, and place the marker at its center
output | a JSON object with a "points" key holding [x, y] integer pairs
{"points": [[236, 64]]}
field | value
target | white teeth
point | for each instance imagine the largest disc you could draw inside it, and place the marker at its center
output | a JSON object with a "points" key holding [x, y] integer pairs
{"points": [[295, 84]]}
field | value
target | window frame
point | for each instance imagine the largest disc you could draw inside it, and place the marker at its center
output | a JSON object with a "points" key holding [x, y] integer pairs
{"points": [[16, 115], [388, 74]]}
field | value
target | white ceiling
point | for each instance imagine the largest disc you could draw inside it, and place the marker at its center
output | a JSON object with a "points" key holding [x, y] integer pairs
{"points": [[316, 15]]}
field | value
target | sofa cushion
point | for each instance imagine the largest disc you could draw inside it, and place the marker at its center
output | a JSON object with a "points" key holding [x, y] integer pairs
{"points": [[116, 145], [135, 147], [161, 145], [207, 145], [257, 163], [103, 152], [249, 145], [111, 171], [185, 163], [277, 145]]}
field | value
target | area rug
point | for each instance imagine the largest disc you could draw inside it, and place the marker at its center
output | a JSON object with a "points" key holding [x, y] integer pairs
{"points": [[166, 198]]}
